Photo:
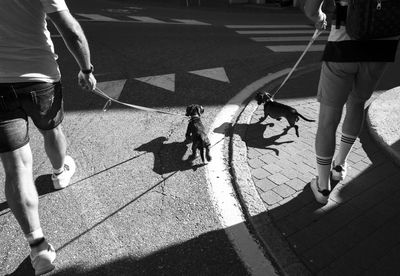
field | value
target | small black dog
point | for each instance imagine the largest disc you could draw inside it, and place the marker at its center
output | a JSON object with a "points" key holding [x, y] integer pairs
{"points": [[277, 110], [196, 132]]}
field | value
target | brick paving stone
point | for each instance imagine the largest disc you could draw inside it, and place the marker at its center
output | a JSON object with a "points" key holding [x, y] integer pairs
{"points": [[265, 184], [278, 178], [272, 168], [255, 163], [260, 173], [270, 197], [290, 173], [296, 184], [252, 153], [354, 157], [284, 191]]}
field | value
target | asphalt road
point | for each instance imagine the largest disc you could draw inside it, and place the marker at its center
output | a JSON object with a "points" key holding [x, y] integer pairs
{"points": [[137, 205]]}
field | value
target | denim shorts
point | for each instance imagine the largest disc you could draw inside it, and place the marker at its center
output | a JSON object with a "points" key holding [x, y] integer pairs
{"points": [[40, 101]]}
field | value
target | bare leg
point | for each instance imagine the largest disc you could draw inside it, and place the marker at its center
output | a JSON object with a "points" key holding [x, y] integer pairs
{"points": [[55, 146], [352, 124], [325, 142], [20, 190]]}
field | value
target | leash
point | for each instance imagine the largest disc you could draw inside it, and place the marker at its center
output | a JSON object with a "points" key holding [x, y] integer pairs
{"points": [[313, 38], [101, 93]]}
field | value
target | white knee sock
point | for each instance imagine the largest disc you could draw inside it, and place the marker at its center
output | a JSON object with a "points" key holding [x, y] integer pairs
{"points": [[324, 169], [346, 143]]}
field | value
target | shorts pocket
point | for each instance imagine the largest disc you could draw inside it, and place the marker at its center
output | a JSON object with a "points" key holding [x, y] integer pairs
{"points": [[43, 99]]}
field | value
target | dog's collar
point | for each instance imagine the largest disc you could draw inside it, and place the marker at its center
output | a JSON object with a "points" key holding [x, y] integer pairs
{"points": [[194, 117]]}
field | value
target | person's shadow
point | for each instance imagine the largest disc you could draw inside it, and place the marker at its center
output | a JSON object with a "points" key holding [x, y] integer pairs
{"points": [[253, 134], [44, 185], [169, 157]]}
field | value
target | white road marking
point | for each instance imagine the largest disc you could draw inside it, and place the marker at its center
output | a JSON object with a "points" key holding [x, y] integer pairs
{"points": [[163, 81], [296, 48], [218, 74], [112, 88], [280, 32], [98, 17], [146, 19], [220, 187], [268, 26], [190, 22], [285, 38]]}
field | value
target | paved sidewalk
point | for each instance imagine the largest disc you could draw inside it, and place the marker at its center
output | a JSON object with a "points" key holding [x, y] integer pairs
{"points": [[357, 232]]}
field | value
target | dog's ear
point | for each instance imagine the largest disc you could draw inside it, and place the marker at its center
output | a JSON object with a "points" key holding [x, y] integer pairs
{"points": [[189, 110], [201, 109]]}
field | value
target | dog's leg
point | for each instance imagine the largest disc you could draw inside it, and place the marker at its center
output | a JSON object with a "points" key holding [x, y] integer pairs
{"points": [[201, 149], [194, 149], [296, 127], [208, 155]]}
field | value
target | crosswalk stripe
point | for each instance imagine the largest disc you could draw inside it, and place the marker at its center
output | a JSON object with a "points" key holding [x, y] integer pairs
{"points": [[98, 17], [276, 32], [295, 48], [190, 22], [146, 19], [285, 38], [268, 26]]}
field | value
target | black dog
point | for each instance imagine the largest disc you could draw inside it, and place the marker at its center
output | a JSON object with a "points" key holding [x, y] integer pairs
{"points": [[196, 132], [277, 110]]}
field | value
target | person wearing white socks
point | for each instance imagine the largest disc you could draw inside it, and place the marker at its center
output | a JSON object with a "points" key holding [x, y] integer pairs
{"points": [[350, 72], [30, 87]]}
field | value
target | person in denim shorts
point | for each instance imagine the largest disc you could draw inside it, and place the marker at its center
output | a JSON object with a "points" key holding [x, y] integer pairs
{"points": [[30, 87], [351, 70]]}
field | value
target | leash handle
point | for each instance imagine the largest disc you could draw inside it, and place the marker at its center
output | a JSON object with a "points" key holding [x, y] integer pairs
{"points": [[313, 38], [101, 93]]}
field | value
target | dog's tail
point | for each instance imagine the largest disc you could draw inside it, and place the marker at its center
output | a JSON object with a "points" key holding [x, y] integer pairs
{"points": [[304, 118]]}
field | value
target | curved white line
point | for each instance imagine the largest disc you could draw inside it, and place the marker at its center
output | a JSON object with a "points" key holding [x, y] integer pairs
{"points": [[220, 186]]}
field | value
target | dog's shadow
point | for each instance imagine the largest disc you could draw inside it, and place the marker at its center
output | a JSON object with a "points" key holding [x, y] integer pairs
{"points": [[253, 135], [169, 157]]}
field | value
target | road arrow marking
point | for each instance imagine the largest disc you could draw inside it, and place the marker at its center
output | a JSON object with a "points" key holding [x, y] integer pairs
{"points": [[163, 81], [97, 17], [112, 88], [218, 74]]}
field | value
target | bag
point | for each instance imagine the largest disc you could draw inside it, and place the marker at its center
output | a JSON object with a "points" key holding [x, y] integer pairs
{"points": [[372, 19]]}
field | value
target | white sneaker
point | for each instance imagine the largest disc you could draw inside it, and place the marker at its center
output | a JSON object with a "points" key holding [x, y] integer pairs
{"points": [[60, 181], [339, 172], [320, 196], [42, 261]]}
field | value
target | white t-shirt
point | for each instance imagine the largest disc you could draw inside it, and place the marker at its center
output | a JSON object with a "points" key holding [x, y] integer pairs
{"points": [[26, 50]]}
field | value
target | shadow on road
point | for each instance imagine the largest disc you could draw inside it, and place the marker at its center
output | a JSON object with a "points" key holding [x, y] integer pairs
{"points": [[207, 254], [357, 232], [254, 132], [169, 157]]}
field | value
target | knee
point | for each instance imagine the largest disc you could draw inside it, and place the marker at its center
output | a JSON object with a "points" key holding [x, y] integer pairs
{"points": [[51, 133]]}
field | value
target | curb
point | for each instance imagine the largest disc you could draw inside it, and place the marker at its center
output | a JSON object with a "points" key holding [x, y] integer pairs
{"points": [[276, 247], [383, 118], [271, 239]]}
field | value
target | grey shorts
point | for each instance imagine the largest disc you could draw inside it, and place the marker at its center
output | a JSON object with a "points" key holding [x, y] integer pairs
{"points": [[348, 81], [40, 101]]}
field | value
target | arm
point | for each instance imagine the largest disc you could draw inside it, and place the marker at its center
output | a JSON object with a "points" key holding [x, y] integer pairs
{"points": [[313, 10], [77, 44]]}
